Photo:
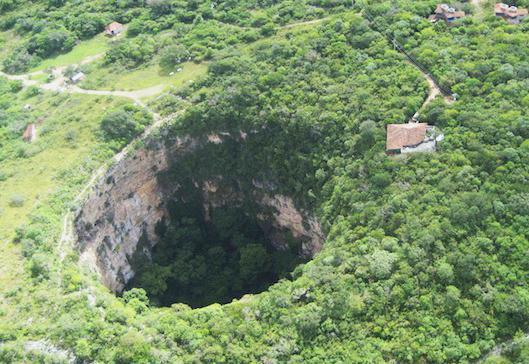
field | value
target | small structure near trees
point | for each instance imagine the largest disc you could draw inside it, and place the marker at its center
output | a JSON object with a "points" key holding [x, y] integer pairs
{"points": [[79, 76], [446, 13], [30, 133], [114, 29], [512, 14], [411, 138]]}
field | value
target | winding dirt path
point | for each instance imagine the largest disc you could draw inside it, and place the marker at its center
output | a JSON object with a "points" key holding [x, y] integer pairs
{"points": [[308, 22], [502, 347], [434, 91], [59, 84]]}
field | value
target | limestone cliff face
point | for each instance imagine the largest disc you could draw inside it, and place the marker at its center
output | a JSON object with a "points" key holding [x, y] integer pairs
{"points": [[125, 207], [299, 223], [281, 217]]}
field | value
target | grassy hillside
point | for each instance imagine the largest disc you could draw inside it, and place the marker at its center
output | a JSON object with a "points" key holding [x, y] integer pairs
{"points": [[425, 259]]}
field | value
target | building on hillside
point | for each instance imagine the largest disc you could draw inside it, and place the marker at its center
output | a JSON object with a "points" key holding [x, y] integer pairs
{"points": [[411, 138], [79, 76], [113, 29], [30, 133], [446, 13], [512, 14]]}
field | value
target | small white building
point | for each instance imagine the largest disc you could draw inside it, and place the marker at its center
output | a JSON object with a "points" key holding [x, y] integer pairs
{"points": [[78, 77]]}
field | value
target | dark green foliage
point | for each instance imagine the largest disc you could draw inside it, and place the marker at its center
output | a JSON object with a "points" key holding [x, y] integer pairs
{"points": [[122, 125], [52, 25], [426, 259], [131, 53], [19, 61], [172, 56], [50, 42], [202, 261]]}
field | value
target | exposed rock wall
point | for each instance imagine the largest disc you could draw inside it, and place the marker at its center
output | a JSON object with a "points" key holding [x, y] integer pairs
{"points": [[125, 207]]}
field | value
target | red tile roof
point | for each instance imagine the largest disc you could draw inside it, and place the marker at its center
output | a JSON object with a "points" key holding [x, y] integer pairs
{"points": [[114, 27], [448, 11], [404, 135], [509, 11]]}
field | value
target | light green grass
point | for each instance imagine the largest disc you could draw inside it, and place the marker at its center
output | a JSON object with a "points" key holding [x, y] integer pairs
{"points": [[67, 136], [98, 44], [8, 41], [34, 177], [103, 78], [41, 77]]}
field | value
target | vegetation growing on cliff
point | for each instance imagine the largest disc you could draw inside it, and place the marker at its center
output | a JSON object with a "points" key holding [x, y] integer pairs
{"points": [[201, 262], [426, 256]]}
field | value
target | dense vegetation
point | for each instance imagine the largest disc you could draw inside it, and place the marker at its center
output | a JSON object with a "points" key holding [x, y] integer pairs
{"points": [[426, 256], [217, 248], [122, 125], [201, 262], [53, 27]]}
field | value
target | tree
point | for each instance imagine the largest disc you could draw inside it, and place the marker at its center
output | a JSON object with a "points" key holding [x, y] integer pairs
{"points": [[254, 260], [124, 124], [173, 55], [381, 263]]}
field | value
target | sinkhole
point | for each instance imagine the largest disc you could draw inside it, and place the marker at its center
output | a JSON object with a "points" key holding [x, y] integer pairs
{"points": [[194, 220]]}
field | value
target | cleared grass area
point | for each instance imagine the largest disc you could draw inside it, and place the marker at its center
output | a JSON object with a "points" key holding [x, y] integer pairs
{"points": [[41, 77], [67, 135], [103, 78], [98, 44], [66, 138]]}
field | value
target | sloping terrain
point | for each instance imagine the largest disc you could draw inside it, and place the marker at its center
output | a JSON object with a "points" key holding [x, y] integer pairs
{"points": [[425, 255]]}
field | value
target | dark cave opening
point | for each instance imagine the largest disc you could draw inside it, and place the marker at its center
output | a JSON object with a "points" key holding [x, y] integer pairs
{"points": [[196, 221], [213, 252]]}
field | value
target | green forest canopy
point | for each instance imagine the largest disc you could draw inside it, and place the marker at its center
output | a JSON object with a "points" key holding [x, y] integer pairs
{"points": [[426, 256]]}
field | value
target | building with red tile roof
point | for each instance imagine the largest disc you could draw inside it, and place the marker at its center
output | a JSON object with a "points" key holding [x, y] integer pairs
{"points": [[512, 14], [113, 29], [411, 137], [446, 13]]}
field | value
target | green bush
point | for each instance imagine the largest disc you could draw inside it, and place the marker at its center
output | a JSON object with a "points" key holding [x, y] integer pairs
{"points": [[124, 124], [173, 55], [17, 201]]}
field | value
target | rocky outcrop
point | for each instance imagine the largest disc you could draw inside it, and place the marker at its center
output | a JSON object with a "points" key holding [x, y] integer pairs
{"points": [[125, 207], [286, 217], [123, 211]]}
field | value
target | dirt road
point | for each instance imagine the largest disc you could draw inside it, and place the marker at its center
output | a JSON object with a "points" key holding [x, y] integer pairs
{"points": [[59, 84]]}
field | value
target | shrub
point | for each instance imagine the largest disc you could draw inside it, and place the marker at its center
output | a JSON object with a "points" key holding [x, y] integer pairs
{"points": [[133, 52], [16, 201], [124, 124], [39, 266], [51, 41], [71, 136], [173, 56], [32, 91], [19, 61]]}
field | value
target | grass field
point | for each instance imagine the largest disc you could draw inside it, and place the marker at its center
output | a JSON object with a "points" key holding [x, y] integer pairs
{"points": [[66, 139], [98, 44], [103, 78], [67, 134]]}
